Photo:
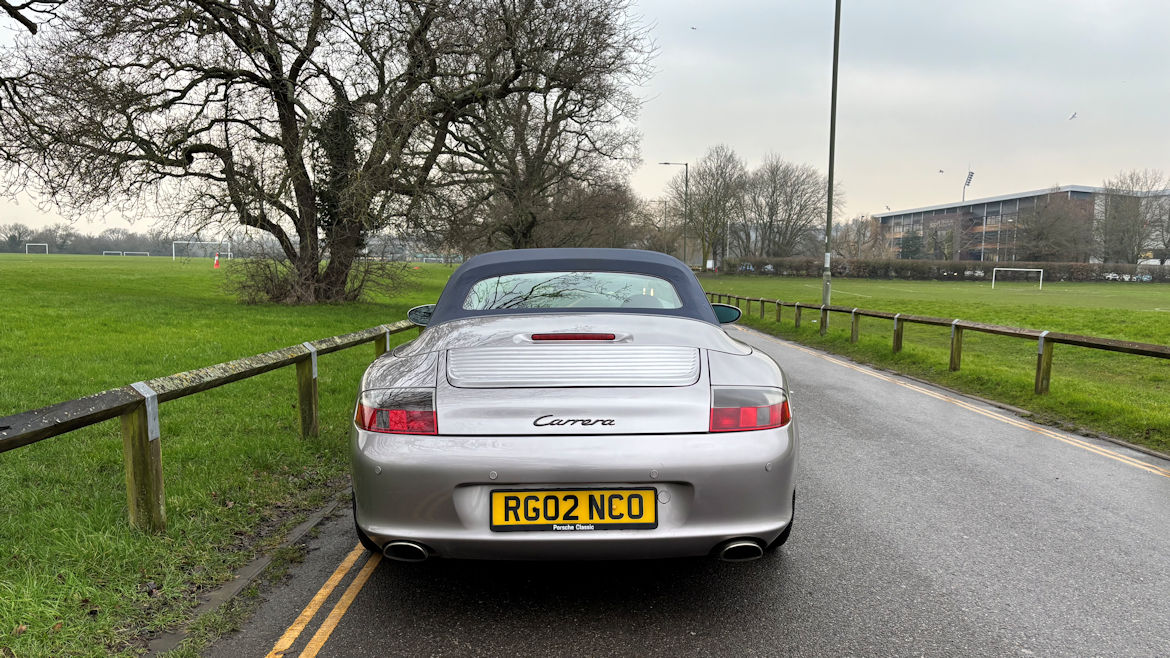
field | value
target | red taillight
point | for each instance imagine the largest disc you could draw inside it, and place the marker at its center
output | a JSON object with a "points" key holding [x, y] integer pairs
{"points": [[738, 409], [398, 411], [573, 336]]}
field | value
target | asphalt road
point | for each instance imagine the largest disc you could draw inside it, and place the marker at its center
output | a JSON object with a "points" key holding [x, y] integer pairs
{"points": [[927, 524]]}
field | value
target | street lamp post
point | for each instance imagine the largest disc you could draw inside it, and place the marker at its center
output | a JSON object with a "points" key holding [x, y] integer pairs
{"points": [[686, 202], [826, 291]]}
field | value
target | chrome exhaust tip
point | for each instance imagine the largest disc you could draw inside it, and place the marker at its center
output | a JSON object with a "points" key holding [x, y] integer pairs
{"points": [[405, 551], [740, 550]]}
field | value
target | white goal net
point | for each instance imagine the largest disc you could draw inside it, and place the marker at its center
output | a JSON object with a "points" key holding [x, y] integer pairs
{"points": [[36, 244], [1026, 276]]}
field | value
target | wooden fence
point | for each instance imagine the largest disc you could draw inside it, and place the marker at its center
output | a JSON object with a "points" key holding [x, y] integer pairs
{"points": [[137, 406], [1045, 340]]}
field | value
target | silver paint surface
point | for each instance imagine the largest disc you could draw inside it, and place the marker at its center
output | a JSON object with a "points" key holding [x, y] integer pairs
{"points": [[492, 382], [572, 364]]}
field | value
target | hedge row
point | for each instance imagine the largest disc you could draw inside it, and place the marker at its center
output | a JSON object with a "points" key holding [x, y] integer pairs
{"points": [[942, 270]]}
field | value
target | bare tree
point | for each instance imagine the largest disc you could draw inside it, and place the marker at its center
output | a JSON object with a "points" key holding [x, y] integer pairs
{"points": [[318, 122], [591, 216], [1056, 228], [861, 237], [716, 197], [782, 203], [30, 13], [15, 235], [527, 149], [1160, 212], [1126, 215]]}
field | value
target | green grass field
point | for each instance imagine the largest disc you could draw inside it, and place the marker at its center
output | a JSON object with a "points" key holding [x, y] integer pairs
{"points": [[1120, 395], [74, 578]]}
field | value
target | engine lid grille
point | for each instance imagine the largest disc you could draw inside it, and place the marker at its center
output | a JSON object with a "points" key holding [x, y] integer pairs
{"points": [[543, 366]]}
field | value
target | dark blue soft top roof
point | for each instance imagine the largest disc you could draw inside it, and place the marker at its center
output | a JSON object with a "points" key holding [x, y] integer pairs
{"points": [[517, 261]]}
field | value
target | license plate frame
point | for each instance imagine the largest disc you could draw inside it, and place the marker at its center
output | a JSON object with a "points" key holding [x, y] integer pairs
{"points": [[590, 500]]}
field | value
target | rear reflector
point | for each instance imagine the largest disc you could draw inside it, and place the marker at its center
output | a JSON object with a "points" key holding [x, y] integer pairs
{"points": [[739, 409], [573, 336], [397, 411]]}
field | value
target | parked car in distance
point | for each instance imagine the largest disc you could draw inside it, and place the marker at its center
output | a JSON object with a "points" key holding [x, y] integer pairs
{"points": [[573, 404]]}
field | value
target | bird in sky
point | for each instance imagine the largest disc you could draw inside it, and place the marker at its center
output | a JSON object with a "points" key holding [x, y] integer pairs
{"points": [[940, 171], [1072, 116], [694, 28], [887, 208]]}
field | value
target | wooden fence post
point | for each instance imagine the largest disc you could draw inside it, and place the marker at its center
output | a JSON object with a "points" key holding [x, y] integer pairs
{"points": [[761, 308], [824, 320], [142, 454], [307, 392], [854, 326], [898, 326], [382, 345], [797, 307], [956, 346], [779, 305], [1043, 364]]}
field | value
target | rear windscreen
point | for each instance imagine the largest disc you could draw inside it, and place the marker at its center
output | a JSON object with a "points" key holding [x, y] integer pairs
{"points": [[569, 290]]}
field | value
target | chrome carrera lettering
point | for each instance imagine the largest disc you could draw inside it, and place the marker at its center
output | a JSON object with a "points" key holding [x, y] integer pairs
{"points": [[586, 422]]}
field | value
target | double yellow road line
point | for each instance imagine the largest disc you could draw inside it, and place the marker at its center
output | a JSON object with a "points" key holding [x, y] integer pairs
{"points": [[338, 611], [1003, 418]]}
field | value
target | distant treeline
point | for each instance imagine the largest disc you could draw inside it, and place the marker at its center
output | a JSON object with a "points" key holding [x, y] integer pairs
{"points": [[64, 239], [946, 270]]}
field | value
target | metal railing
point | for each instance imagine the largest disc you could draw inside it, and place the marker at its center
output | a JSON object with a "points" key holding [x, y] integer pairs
{"points": [[1045, 340], [137, 406]]}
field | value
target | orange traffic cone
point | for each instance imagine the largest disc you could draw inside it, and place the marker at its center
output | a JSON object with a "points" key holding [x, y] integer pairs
{"points": [[216, 265]]}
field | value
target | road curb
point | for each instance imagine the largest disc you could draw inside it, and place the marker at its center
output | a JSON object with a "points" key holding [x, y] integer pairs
{"points": [[244, 577], [1022, 413]]}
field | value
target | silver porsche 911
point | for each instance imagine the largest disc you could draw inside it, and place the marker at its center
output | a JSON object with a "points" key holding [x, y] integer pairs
{"points": [[573, 404]]}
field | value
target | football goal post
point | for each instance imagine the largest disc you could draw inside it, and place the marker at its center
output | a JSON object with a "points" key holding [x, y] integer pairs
{"points": [[198, 249], [997, 270], [36, 244], [111, 253], [135, 253]]}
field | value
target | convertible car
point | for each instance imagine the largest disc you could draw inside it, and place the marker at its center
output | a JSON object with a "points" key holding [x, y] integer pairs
{"points": [[573, 404]]}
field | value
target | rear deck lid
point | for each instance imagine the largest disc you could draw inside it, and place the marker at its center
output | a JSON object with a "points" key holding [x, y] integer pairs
{"points": [[573, 365]]}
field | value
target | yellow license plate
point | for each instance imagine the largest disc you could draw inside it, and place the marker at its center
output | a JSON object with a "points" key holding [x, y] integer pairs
{"points": [[574, 510]]}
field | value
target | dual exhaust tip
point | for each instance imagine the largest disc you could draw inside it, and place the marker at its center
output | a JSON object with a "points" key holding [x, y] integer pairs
{"points": [[740, 550], [406, 551], [735, 550]]}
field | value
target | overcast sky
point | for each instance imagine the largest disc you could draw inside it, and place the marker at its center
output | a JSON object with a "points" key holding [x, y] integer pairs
{"points": [[924, 85]]}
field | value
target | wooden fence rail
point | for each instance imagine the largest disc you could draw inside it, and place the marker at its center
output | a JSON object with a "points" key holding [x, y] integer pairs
{"points": [[1045, 340], [137, 406]]}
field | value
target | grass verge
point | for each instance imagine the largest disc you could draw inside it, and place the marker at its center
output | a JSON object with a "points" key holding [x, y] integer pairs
{"points": [[74, 578], [1092, 391]]}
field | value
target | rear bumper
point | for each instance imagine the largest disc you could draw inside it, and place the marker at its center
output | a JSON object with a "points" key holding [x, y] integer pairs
{"points": [[711, 488]]}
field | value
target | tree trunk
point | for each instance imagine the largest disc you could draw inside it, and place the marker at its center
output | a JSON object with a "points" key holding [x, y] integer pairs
{"points": [[343, 251]]}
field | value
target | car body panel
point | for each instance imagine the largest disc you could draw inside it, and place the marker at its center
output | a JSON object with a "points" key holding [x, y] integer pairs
{"points": [[512, 412], [548, 410], [434, 490], [584, 363], [630, 328]]}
